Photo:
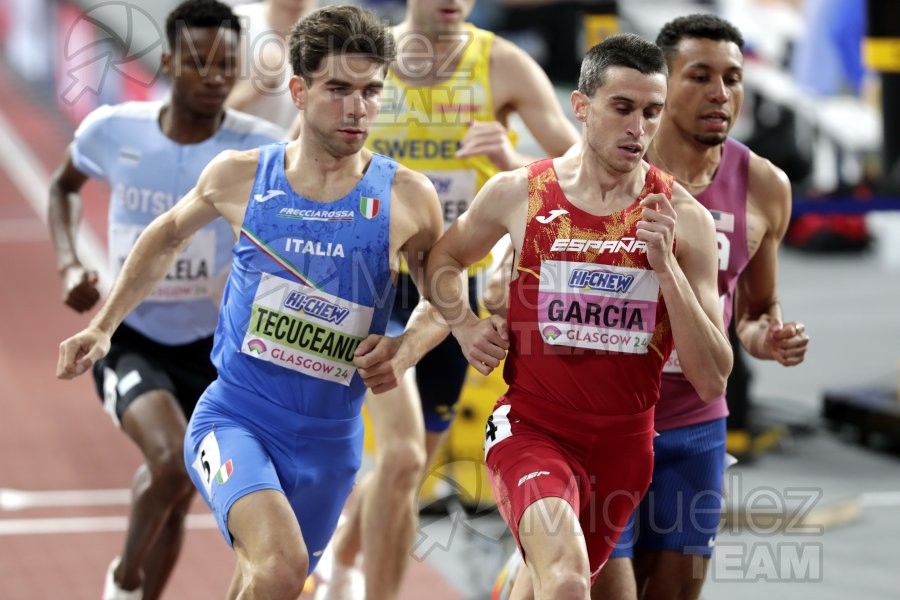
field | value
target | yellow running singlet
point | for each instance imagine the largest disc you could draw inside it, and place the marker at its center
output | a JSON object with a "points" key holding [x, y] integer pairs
{"points": [[422, 127]]}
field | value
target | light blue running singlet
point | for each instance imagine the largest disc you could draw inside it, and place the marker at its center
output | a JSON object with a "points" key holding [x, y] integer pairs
{"points": [[148, 173]]}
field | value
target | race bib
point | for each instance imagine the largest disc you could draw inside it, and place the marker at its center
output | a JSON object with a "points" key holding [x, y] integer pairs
{"points": [[304, 329], [673, 365], [192, 277], [497, 428], [456, 189], [599, 307]]}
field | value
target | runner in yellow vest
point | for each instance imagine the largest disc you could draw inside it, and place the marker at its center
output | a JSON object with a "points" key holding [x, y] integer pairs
{"points": [[445, 112]]}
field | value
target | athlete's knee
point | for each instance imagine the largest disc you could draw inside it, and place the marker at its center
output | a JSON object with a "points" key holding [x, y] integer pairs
{"points": [[402, 462], [168, 475], [278, 575], [565, 582]]}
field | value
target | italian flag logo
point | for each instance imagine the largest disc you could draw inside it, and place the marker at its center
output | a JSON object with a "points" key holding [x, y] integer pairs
{"points": [[225, 472], [368, 207]]}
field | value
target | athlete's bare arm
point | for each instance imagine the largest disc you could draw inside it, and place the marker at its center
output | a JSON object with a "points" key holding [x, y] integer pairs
{"points": [[64, 215], [757, 311], [259, 76], [416, 224], [416, 221], [692, 300], [519, 85], [222, 190], [496, 288], [499, 208]]}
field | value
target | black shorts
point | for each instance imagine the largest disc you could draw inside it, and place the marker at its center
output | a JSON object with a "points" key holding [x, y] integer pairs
{"points": [[136, 365], [441, 373]]}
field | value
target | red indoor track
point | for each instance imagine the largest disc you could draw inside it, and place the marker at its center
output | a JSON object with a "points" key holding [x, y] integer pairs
{"points": [[64, 467]]}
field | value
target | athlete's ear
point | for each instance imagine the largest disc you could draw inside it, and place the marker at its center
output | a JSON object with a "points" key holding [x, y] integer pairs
{"points": [[298, 89], [580, 104]]}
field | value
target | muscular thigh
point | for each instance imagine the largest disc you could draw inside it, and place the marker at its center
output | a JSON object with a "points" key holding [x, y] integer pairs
{"points": [[137, 365], [312, 462], [525, 466]]}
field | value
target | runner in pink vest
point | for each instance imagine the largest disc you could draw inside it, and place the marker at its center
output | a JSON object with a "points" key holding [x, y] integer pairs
{"points": [[674, 528]]}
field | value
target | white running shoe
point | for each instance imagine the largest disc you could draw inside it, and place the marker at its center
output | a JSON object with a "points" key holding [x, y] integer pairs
{"points": [[337, 582], [343, 583], [111, 591]]}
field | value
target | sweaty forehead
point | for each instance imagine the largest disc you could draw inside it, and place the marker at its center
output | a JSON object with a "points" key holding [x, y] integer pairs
{"points": [[353, 68], [207, 38], [696, 52], [639, 88]]}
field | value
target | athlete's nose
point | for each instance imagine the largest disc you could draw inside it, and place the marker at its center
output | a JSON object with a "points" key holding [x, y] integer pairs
{"points": [[718, 92], [356, 106], [635, 128]]}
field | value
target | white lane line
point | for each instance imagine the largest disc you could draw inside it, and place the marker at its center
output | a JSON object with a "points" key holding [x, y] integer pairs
{"points": [[85, 525], [11, 499], [29, 176]]}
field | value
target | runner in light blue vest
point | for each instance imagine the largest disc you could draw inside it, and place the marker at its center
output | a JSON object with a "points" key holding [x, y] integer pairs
{"points": [[148, 172]]}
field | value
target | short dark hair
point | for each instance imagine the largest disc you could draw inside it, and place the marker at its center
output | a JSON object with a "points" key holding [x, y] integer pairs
{"points": [[621, 50], [338, 30], [698, 26], [200, 13]]}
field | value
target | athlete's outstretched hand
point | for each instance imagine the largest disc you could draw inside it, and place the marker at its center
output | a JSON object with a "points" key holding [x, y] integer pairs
{"points": [[80, 288], [484, 342], [380, 362], [79, 353], [657, 229]]}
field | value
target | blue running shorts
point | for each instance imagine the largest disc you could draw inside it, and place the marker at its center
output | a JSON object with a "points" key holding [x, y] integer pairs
{"points": [[238, 443], [682, 508]]}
